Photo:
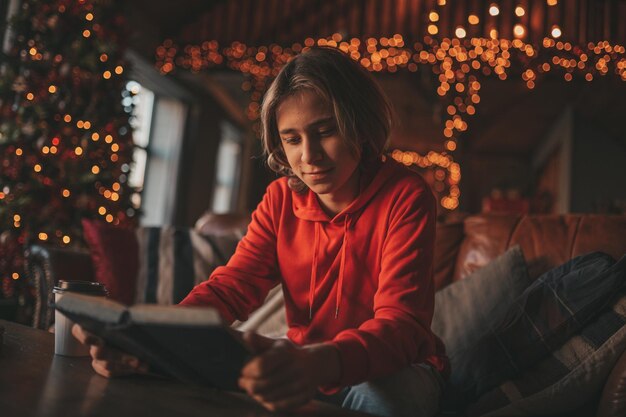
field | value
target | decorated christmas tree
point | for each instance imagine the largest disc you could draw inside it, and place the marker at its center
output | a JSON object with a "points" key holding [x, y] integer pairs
{"points": [[65, 138]]}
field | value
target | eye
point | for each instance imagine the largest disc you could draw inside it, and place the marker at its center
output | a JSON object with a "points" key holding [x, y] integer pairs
{"points": [[291, 140], [327, 131]]}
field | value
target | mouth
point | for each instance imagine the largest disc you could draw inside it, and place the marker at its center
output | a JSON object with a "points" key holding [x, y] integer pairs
{"points": [[318, 172]]}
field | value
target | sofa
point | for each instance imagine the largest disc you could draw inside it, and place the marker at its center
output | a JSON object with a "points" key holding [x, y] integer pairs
{"points": [[463, 247]]}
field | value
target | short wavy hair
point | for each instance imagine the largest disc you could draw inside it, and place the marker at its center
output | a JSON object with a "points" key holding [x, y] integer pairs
{"points": [[361, 109]]}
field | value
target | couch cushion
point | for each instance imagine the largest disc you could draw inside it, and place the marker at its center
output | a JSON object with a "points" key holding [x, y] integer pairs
{"points": [[550, 311], [465, 309], [570, 377], [114, 253]]}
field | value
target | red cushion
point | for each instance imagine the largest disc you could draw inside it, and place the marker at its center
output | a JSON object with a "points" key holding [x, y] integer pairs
{"points": [[115, 255]]}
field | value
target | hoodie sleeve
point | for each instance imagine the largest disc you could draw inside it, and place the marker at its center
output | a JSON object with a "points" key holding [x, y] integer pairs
{"points": [[399, 333], [239, 287]]}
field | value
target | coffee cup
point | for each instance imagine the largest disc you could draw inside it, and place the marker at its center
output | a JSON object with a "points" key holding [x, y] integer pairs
{"points": [[65, 343]]}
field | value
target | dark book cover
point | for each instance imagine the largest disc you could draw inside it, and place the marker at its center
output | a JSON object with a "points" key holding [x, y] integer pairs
{"points": [[191, 344]]}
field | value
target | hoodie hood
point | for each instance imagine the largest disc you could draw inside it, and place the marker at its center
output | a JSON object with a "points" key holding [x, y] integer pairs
{"points": [[306, 206]]}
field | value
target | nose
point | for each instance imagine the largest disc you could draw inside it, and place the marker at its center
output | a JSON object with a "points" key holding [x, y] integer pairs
{"points": [[311, 151]]}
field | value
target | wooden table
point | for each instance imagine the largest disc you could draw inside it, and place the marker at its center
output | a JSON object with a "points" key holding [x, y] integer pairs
{"points": [[36, 382]]}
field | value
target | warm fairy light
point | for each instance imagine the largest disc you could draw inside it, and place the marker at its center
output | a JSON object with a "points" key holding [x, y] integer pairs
{"points": [[17, 218], [107, 194], [95, 169], [109, 218], [568, 76], [588, 77], [104, 58], [89, 17], [52, 89], [43, 236], [67, 118], [66, 193], [473, 19], [95, 136], [102, 210], [119, 69], [80, 124], [494, 10], [556, 31], [15, 275], [460, 32], [115, 196], [32, 51], [78, 150], [456, 64], [441, 2], [106, 75], [86, 33], [30, 96], [108, 138], [114, 157], [87, 124], [53, 149], [519, 11], [433, 16], [45, 150], [552, 2], [115, 147], [116, 186], [19, 152], [66, 239], [37, 168]]}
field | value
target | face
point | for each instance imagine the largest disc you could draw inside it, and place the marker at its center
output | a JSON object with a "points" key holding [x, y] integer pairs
{"points": [[316, 152]]}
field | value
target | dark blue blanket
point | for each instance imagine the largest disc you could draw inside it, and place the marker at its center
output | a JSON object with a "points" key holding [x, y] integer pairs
{"points": [[550, 311]]}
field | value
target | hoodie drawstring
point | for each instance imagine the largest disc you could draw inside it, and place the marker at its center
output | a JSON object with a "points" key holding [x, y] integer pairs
{"points": [[316, 249], [342, 265]]}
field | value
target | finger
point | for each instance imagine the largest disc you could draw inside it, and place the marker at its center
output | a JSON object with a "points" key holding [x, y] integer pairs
{"points": [[111, 369], [85, 337], [275, 391], [269, 383], [269, 361]]}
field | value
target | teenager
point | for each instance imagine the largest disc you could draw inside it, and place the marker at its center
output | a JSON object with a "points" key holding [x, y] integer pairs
{"points": [[350, 235]]}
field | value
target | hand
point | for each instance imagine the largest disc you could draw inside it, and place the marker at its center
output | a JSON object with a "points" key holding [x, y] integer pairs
{"points": [[107, 361], [283, 376]]}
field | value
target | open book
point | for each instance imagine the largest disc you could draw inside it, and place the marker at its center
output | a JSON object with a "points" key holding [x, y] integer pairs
{"points": [[191, 344]]}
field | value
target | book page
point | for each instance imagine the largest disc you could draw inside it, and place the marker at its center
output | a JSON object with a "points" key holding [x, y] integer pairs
{"points": [[174, 315]]}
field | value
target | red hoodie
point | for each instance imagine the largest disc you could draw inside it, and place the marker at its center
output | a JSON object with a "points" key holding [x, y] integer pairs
{"points": [[361, 280]]}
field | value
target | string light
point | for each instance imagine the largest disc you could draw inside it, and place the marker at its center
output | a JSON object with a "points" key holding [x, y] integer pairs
{"points": [[519, 11], [556, 31], [456, 62], [473, 19], [494, 10]]}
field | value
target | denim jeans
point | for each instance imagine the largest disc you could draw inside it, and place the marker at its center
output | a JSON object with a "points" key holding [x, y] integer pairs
{"points": [[413, 391]]}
